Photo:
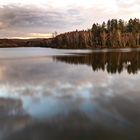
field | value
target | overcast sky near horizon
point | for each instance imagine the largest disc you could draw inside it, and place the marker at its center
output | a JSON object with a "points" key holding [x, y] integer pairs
{"points": [[40, 18]]}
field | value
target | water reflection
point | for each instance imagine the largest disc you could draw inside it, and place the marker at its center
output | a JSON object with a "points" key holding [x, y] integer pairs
{"points": [[112, 62], [12, 116], [44, 98]]}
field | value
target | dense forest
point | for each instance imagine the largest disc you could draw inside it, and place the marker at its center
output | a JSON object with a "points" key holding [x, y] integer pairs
{"points": [[113, 34]]}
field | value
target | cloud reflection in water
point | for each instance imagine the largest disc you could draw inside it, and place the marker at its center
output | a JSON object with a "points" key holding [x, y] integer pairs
{"points": [[59, 97]]}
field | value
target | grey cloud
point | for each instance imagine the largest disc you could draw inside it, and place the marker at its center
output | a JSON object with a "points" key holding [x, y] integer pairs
{"points": [[14, 16], [21, 20]]}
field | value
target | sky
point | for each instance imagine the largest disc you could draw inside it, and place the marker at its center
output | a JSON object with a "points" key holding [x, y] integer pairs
{"points": [[41, 18]]}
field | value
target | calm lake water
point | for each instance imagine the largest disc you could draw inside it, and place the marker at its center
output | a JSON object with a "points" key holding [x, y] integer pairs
{"points": [[49, 94]]}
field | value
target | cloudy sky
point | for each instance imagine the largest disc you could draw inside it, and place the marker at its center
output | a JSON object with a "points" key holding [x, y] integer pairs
{"points": [[40, 18]]}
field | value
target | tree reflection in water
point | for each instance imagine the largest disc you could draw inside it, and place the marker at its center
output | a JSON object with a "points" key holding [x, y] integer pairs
{"points": [[112, 62]]}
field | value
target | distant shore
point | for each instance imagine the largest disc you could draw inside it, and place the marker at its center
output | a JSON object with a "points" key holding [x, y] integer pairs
{"points": [[47, 43]]}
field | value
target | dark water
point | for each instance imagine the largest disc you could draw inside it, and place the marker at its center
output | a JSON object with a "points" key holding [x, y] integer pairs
{"points": [[50, 94]]}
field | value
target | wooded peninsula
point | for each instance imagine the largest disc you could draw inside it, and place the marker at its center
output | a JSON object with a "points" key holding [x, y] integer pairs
{"points": [[112, 34]]}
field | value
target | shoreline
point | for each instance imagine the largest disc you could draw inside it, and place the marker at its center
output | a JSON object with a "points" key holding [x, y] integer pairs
{"points": [[92, 49]]}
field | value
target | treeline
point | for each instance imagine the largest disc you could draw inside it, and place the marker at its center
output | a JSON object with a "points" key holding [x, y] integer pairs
{"points": [[112, 62], [7, 43], [113, 34]]}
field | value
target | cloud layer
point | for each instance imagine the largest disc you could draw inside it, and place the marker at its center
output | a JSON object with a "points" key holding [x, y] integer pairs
{"points": [[43, 17], [34, 19]]}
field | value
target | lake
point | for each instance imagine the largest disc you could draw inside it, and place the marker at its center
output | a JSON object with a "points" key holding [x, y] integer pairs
{"points": [[50, 94]]}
